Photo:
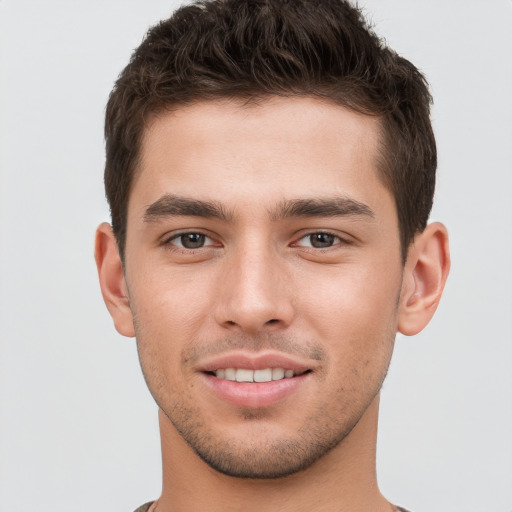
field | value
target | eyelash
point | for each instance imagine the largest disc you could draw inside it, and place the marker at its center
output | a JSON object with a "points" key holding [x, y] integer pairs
{"points": [[337, 240], [171, 241]]}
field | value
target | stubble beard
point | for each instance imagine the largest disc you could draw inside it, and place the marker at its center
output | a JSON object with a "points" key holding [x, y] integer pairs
{"points": [[263, 457], [267, 459]]}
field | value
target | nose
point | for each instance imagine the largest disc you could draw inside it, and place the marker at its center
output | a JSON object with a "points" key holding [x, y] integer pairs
{"points": [[254, 292]]}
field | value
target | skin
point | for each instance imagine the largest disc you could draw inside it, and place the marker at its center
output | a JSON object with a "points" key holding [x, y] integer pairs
{"points": [[222, 258]]}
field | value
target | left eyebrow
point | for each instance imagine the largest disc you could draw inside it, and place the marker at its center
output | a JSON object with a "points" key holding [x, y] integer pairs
{"points": [[321, 207]]}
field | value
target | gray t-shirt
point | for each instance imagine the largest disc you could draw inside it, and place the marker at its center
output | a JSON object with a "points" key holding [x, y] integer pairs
{"points": [[145, 508]]}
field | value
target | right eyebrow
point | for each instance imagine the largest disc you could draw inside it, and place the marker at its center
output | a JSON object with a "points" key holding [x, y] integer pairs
{"points": [[174, 206]]}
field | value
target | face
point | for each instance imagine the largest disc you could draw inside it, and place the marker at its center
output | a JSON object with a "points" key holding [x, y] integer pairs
{"points": [[263, 273]]}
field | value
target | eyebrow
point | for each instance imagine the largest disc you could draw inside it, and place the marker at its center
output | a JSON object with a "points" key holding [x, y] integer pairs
{"points": [[173, 206], [338, 206]]}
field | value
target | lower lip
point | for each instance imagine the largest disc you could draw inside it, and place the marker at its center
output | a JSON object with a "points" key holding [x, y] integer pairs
{"points": [[254, 395]]}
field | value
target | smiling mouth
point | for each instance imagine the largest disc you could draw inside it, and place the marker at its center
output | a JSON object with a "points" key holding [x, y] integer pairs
{"points": [[248, 375]]}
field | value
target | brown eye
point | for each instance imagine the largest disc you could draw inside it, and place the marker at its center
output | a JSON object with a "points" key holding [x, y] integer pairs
{"points": [[322, 240], [190, 240]]}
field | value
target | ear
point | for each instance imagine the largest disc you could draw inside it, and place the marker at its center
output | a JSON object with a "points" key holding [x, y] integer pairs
{"points": [[112, 280], [425, 273]]}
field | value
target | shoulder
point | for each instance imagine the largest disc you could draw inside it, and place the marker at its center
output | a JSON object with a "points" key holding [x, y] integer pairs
{"points": [[145, 507]]}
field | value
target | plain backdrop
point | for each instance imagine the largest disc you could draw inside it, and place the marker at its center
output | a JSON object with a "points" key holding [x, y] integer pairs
{"points": [[78, 429]]}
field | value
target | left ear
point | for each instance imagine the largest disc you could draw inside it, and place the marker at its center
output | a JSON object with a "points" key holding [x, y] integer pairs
{"points": [[425, 273]]}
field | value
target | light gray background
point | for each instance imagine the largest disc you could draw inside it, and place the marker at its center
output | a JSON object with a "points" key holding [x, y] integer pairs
{"points": [[78, 429]]}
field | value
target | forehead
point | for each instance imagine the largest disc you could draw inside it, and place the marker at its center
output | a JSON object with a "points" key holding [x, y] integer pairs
{"points": [[274, 149]]}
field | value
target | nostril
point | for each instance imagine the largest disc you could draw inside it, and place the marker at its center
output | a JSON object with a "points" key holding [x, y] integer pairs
{"points": [[242, 325]]}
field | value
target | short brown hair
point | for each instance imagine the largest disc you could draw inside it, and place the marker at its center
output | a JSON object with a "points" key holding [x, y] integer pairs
{"points": [[248, 49]]}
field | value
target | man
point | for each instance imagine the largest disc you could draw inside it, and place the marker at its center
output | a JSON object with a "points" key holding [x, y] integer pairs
{"points": [[270, 171]]}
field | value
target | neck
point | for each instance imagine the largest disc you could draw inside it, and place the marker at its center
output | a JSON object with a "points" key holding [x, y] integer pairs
{"points": [[343, 480]]}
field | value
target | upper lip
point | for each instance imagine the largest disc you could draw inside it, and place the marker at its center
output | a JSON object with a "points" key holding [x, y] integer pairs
{"points": [[254, 361]]}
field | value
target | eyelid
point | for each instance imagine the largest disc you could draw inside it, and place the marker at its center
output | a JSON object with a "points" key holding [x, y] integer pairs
{"points": [[169, 239], [341, 240]]}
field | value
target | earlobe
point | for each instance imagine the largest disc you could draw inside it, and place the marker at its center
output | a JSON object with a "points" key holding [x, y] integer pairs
{"points": [[425, 274], [112, 280]]}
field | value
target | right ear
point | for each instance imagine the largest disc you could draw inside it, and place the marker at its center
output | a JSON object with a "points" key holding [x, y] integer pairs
{"points": [[112, 280]]}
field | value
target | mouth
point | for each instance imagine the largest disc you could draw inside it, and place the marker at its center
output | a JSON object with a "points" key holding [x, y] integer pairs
{"points": [[255, 381], [261, 375]]}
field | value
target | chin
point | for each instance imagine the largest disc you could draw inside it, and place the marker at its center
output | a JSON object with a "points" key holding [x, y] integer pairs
{"points": [[266, 462], [259, 451]]}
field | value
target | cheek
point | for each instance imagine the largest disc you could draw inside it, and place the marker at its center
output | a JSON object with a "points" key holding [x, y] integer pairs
{"points": [[354, 312], [170, 305], [163, 328]]}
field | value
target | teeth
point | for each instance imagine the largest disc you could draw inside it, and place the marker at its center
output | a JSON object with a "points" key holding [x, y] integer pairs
{"points": [[244, 375], [277, 373], [230, 373], [263, 375]]}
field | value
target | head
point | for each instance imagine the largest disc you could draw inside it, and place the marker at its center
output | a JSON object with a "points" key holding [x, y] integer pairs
{"points": [[258, 49], [270, 170]]}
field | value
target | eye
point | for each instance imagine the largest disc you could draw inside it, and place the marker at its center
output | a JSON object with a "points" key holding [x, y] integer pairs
{"points": [[319, 240], [190, 240]]}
